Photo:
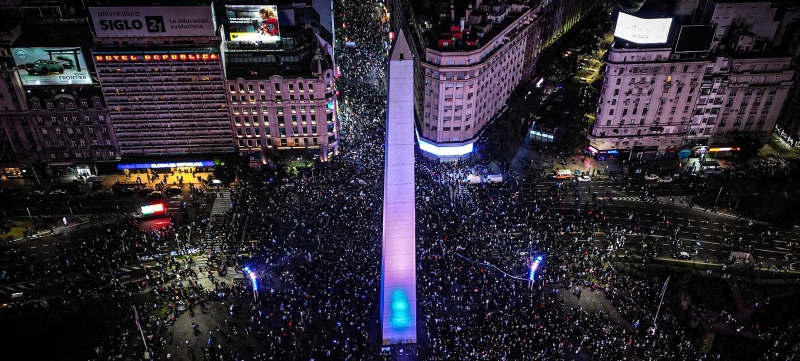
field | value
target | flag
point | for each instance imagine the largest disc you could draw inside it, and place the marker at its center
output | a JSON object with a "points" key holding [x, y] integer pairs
{"points": [[136, 318]]}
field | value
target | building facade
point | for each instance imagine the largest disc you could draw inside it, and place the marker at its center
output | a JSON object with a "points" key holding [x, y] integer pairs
{"points": [[94, 85], [657, 99], [468, 70], [54, 120], [282, 96], [165, 90]]}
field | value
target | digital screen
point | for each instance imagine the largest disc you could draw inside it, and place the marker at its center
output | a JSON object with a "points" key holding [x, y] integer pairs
{"points": [[642, 31], [253, 23], [153, 209], [445, 151], [201, 163], [152, 21], [51, 66]]}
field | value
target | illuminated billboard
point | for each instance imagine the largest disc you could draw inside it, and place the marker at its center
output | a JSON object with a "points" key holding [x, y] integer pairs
{"points": [[199, 163], [51, 66], [151, 57], [159, 21], [253, 23], [642, 31]]}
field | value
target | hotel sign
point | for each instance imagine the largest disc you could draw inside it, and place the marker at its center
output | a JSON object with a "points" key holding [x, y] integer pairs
{"points": [[201, 163]]}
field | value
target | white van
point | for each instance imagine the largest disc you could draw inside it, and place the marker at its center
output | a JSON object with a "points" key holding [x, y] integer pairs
{"points": [[474, 179], [562, 174], [494, 178]]}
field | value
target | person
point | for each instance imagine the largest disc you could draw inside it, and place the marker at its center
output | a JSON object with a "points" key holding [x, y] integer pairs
{"points": [[269, 25]]}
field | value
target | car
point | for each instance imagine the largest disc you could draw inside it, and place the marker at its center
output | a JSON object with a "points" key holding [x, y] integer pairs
{"points": [[127, 190], [44, 67], [584, 178], [681, 255], [651, 177], [173, 190], [665, 180], [138, 215], [145, 191], [155, 194]]}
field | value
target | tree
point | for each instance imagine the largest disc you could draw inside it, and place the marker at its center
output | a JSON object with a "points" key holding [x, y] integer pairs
{"points": [[748, 146]]}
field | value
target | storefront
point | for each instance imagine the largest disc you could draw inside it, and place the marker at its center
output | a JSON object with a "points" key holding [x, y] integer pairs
{"points": [[787, 136], [601, 155], [643, 152], [184, 166], [721, 152], [672, 153]]}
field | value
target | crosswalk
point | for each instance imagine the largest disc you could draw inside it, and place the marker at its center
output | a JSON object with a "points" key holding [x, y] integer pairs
{"points": [[32, 285], [221, 205], [110, 219]]}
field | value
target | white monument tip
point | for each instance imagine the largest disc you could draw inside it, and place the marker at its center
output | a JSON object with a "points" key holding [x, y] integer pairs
{"points": [[400, 50]]}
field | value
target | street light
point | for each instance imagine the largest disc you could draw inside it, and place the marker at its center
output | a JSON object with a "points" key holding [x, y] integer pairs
{"points": [[715, 202], [252, 275]]}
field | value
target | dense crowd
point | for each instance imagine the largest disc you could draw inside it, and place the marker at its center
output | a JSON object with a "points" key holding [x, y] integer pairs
{"points": [[314, 243]]}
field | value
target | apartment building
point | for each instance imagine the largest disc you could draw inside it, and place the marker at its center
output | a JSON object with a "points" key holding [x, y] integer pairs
{"points": [[470, 68], [706, 85]]}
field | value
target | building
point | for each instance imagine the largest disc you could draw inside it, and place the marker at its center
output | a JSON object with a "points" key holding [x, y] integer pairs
{"points": [[692, 85], [279, 88], [54, 118], [471, 61], [163, 83], [788, 127]]}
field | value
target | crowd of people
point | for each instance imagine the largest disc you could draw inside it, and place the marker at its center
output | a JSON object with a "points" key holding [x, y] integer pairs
{"points": [[314, 245]]}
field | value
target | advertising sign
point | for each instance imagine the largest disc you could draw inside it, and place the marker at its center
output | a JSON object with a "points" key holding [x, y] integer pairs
{"points": [[114, 22], [51, 66], [199, 163], [253, 23], [642, 31]]}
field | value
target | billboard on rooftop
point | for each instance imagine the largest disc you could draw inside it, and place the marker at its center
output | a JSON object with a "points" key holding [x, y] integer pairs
{"points": [[642, 31]]}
